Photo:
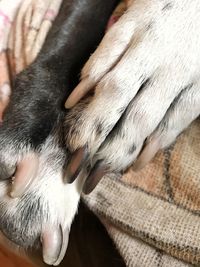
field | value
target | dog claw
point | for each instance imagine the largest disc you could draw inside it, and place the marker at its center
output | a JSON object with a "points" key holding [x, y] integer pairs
{"points": [[79, 92], [25, 174], [54, 245], [76, 164], [95, 176], [65, 240], [51, 245], [147, 154]]}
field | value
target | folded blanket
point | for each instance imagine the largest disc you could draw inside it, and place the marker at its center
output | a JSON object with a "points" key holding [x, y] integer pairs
{"points": [[153, 216]]}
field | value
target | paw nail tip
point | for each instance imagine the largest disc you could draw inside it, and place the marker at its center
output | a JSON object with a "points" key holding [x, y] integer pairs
{"points": [[13, 194], [67, 105], [87, 192], [54, 245], [24, 175], [75, 166]]}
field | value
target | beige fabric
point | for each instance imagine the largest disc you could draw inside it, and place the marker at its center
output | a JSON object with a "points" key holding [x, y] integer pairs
{"points": [[137, 253], [159, 205]]}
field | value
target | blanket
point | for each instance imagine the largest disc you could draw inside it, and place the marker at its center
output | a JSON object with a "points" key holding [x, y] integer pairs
{"points": [[153, 216]]}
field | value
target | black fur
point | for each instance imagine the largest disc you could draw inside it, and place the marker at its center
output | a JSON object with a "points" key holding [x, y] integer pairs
{"points": [[132, 149], [37, 102], [168, 6]]}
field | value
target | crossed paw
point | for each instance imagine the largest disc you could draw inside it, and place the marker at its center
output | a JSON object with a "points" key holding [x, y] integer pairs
{"points": [[145, 82], [145, 77]]}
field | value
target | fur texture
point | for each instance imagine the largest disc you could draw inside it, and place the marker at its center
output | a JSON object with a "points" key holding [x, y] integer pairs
{"points": [[33, 124], [146, 77]]}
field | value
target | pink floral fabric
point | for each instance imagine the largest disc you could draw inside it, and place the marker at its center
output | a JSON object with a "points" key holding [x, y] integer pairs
{"points": [[24, 25]]}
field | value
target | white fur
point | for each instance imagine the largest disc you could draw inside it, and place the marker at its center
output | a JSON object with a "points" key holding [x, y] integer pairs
{"points": [[148, 42], [156, 41], [58, 200]]}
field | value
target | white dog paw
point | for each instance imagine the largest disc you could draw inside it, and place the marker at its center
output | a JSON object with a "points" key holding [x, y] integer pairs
{"points": [[145, 75], [43, 215]]}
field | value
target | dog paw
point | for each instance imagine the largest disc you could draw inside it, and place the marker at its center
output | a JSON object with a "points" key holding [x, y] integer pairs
{"points": [[42, 216], [28, 120], [145, 76]]}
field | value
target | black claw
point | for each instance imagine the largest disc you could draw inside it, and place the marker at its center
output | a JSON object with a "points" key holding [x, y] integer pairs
{"points": [[77, 162], [95, 176]]}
